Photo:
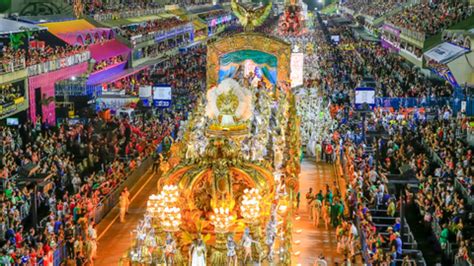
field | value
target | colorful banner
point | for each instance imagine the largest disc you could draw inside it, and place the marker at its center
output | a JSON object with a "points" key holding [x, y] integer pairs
{"points": [[297, 64], [390, 38], [448, 76], [445, 52], [229, 63], [162, 95]]}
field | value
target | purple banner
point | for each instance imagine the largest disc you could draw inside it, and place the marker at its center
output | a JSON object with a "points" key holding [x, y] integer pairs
{"points": [[390, 38], [99, 76]]}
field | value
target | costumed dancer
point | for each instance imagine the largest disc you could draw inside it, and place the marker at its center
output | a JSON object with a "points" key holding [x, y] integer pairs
{"points": [[325, 214], [123, 206], [317, 205], [92, 233], [247, 245], [170, 249], [231, 251], [309, 201], [198, 253], [271, 233], [127, 198]]}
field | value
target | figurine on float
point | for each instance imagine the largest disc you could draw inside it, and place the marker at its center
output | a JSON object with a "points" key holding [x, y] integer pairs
{"points": [[197, 252], [247, 245], [231, 251], [271, 233], [291, 22], [170, 249]]}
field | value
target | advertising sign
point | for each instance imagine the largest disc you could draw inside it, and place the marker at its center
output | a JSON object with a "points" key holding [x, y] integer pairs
{"points": [[297, 63], [162, 95], [364, 95]]}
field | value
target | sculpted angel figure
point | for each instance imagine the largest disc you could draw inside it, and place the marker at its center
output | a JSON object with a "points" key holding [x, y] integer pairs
{"points": [[250, 17]]}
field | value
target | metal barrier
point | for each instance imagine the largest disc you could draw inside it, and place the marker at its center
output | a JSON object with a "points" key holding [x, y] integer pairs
{"points": [[464, 192], [435, 226], [111, 200], [162, 35], [104, 206], [397, 103], [12, 66], [59, 254]]}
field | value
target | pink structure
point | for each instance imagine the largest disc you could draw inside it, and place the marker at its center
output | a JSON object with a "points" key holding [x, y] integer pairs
{"points": [[44, 85]]}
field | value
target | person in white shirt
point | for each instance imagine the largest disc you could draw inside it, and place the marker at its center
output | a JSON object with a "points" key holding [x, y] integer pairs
{"points": [[92, 234]]}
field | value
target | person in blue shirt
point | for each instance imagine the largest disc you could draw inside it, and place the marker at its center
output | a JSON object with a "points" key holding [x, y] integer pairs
{"points": [[57, 225], [396, 226], [398, 246]]}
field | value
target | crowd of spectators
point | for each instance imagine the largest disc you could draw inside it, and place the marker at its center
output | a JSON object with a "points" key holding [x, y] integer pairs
{"points": [[432, 17], [10, 92], [85, 162], [152, 26], [159, 49], [119, 10], [373, 8], [214, 14], [443, 208], [353, 61], [11, 59], [48, 53], [108, 62], [412, 139]]}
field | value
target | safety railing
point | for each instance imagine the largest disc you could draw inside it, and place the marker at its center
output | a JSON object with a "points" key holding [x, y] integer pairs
{"points": [[111, 200], [12, 66], [435, 223], [58, 64], [433, 102], [59, 255], [162, 35]]}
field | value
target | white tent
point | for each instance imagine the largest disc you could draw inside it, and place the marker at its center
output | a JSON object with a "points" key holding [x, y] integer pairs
{"points": [[8, 26], [445, 52]]}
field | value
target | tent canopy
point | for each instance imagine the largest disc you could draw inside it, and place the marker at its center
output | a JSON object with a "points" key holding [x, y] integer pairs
{"points": [[445, 52], [117, 76], [41, 19], [68, 26], [460, 67], [78, 37], [10, 26], [107, 50]]}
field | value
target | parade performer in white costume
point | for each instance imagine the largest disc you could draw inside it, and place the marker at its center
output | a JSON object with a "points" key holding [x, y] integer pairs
{"points": [[198, 253], [271, 233], [170, 249]]}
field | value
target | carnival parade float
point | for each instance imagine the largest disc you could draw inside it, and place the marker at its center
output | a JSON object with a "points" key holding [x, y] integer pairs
{"points": [[292, 22], [228, 188]]}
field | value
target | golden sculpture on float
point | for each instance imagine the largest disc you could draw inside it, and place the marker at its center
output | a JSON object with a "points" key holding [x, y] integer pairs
{"points": [[227, 191], [251, 17]]}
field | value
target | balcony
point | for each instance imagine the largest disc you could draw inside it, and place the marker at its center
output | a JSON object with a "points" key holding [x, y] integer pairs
{"points": [[158, 36], [58, 64], [12, 71], [18, 105]]}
